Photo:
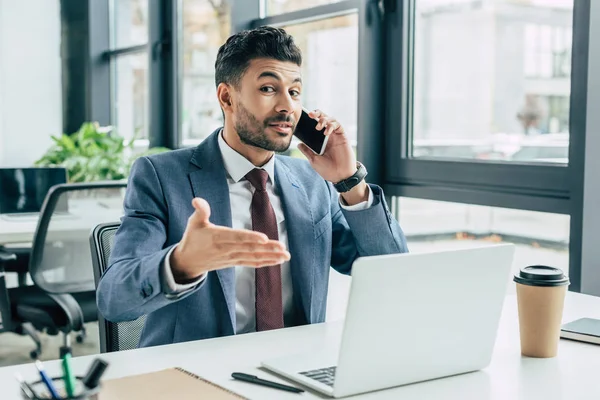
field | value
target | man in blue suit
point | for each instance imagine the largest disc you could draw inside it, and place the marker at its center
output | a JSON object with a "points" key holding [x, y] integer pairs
{"points": [[203, 246]]}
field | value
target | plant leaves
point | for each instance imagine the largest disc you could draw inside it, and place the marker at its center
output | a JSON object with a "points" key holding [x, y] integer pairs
{"points": [[93, 153]]}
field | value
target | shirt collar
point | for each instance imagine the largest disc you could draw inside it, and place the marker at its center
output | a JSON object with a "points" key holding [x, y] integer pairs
{"points": [[237, 166]]}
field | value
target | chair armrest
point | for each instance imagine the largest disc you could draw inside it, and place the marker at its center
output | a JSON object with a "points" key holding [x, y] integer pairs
{"points": [[6, 257], [6, 323], [71, 309]]}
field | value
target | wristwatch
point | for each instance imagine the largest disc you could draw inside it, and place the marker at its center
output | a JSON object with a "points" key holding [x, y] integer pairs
{"points": [[349, 183]]}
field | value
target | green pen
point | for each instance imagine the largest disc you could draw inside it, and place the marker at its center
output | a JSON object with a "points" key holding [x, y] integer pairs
{"points": [[68, 377]]}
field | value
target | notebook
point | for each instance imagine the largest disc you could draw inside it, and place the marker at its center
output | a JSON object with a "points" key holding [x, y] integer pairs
{"points": [[583, 330], [168, 384]]}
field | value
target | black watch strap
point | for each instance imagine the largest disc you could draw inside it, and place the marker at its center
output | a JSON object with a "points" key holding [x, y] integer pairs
{"points": [[349, 183]]}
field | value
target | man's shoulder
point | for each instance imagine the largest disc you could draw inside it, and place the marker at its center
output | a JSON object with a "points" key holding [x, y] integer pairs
{"points": [[168, 164], [173, 155], [180, 157]]}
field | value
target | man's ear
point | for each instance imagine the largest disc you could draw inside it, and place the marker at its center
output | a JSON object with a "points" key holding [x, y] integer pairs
{"points": [[224, 96]]}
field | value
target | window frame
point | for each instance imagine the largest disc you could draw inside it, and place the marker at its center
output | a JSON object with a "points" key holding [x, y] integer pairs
{"points": [[551, 188], [533, 186]]}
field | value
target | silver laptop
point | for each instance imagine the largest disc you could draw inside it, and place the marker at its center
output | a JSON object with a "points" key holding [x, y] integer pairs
{"points": [[410, 318]]}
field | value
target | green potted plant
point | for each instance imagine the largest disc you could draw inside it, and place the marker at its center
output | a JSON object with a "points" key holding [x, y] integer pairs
{"points": [[93, 153]]}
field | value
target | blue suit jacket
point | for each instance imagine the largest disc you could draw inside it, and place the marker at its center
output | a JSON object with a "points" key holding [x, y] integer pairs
{"points": [[157, 207]]}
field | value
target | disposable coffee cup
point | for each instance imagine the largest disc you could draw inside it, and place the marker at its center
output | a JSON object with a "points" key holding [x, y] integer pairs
{"points": [[541, 294]]}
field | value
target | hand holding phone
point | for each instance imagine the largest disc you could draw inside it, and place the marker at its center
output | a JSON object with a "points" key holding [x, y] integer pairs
{"points": [[306, 131], [321, 132]]}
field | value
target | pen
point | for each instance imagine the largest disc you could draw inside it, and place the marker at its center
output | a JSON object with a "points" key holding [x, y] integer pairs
{"points": [[264, 382], [25, 387], [47, 381], [68, 375]]}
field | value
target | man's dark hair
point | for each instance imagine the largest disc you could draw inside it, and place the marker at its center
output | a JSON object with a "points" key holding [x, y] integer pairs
{"points": [[235, 55]]}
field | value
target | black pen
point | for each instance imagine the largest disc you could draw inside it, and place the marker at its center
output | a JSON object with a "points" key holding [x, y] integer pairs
{"points": [[259, 381], [91, 380]]}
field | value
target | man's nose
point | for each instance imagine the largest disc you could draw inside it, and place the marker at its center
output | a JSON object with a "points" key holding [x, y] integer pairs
{"points": [[285, 104]]}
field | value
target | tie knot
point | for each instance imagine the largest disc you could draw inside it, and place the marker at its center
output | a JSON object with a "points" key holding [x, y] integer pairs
{"points": [[258, 178]]}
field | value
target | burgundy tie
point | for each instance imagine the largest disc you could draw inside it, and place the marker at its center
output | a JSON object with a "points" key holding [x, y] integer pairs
{"points": [[269, 303]]}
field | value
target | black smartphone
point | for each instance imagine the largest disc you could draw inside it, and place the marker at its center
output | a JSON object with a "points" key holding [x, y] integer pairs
{"points": [[306, 131]]}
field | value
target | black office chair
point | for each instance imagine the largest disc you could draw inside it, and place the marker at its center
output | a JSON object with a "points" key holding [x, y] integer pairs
{"points": [[11, 261], [114, 336], [63, 296]]}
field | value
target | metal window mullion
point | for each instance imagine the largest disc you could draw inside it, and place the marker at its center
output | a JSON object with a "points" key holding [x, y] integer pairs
{"points": [[312, 14], [371, 83], [163, 126], [125, 51], [99, 107], [584, 252]]}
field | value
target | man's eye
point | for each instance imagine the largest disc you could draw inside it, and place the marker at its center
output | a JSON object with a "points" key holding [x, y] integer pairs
{"points": [[267, 89], [295, 93]]}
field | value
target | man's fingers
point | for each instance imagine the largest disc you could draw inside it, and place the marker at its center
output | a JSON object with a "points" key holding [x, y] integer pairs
{"points": [[323, 122], [270, 246], [331, 127], [228, 235], [264, 257], [201, 213], [316, 114]]}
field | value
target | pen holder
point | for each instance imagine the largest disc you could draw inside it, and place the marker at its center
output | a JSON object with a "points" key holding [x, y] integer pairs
{"points": [[81, 392]]}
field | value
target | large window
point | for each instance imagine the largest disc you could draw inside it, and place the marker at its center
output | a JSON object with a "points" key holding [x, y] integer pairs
{"points": [[129, 69], [130, 91], [205, 27], [462, 101], [283, 6], [540, 238], [130, 23], [492, 82], [330, 67]]}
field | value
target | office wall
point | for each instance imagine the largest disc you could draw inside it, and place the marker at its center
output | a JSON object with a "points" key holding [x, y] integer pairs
{"points": [[30, 79]]}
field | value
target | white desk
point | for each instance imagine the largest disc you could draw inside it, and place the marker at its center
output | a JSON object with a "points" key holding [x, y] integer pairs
{"points": [[17, 231], [85, 215], [572, 375]]}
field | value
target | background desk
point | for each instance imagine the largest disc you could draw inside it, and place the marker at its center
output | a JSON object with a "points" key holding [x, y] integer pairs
{"points": [[573, 375], [85, 215], [14, 231]]}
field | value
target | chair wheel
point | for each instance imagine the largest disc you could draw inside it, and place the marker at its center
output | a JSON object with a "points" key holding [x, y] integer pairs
{"points": [[79, 338], [33, 354]]}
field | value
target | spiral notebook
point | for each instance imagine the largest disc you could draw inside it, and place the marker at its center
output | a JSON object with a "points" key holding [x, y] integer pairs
{"points": [[168, 384]]}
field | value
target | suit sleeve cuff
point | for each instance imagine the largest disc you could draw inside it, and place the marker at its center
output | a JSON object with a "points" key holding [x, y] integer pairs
{"points": [[169, 286], [360, 206]]}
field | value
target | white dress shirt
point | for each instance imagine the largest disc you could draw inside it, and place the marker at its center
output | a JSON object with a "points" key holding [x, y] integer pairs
{"points": [[240, 197]]}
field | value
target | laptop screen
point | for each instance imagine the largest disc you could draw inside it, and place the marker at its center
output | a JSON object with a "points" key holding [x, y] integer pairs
{"points": [[23, 190]]}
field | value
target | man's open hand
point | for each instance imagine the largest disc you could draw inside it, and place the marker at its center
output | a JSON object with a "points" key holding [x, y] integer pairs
{"points": [[207, 247]]}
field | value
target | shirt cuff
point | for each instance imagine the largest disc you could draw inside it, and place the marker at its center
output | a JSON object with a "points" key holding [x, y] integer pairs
{"points": [[169, 286], [363, 205]]}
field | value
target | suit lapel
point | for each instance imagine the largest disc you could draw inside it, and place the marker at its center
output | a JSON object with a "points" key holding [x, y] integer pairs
{"points": [[209, 181], [299, 224]]}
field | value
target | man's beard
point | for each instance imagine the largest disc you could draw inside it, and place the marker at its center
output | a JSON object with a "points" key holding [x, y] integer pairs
{"points": [[252, 132]]}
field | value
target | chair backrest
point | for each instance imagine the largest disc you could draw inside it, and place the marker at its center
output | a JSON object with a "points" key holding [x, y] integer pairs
{"points": [[60, 257], [114, 336]]}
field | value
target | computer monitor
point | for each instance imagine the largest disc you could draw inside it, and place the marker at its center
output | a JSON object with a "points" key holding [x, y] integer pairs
{"points": [[23, 190]]}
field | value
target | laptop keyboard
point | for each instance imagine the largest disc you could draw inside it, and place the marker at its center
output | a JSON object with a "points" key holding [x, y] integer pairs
{"points": [[323, 375]]}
